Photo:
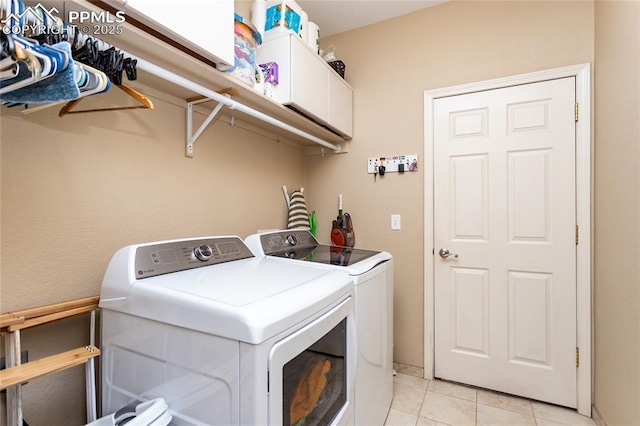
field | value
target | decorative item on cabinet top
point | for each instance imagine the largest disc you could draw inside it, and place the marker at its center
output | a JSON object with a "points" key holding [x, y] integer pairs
{"points": [[338, 66]]}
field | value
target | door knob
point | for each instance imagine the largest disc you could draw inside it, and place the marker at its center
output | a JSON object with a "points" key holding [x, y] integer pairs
{"points": [[444, 253]]}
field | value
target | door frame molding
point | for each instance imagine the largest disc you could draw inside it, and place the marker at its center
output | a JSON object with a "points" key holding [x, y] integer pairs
{"points": [[582, 73]]}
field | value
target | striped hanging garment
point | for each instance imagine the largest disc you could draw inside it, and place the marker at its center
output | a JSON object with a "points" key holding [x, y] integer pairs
{"points": [[298, 216]]}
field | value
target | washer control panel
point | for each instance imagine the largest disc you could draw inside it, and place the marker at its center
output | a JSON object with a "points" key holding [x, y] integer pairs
{"points": [[174, 256]]}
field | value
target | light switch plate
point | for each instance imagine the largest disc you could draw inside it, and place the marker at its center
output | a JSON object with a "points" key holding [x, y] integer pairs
{"points": [[395, 221]]}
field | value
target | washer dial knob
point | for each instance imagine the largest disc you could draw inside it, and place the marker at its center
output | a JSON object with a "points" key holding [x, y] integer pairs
{"points": [[203, 252], [290, 254], [292, 240]]}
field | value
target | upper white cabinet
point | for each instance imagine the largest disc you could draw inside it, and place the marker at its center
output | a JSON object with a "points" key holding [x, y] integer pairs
{"points": [[308, 84], [203, 26]]}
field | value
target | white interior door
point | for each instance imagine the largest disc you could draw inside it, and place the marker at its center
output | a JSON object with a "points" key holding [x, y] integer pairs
{"points": [[505, 203]]}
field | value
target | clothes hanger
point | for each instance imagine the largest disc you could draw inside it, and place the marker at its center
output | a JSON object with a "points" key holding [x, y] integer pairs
{"points": [[112, 63], [12, 53], [10, 72], [145, 103], [57, 58], [43, 61], [85, 80], [13, 8], [53, 60], [28, 74], [8, 50]]}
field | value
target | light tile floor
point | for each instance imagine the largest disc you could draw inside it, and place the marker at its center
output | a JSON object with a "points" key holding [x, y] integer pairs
{"points": [[420, 402]]}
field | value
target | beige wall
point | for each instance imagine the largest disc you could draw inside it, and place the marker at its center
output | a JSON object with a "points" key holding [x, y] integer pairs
{"points": [[617, 212], [390, 65], [75, 189]]}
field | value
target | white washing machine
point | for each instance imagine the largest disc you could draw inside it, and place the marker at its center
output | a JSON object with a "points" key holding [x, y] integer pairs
{"points": [[372, 274], [227, 338]]}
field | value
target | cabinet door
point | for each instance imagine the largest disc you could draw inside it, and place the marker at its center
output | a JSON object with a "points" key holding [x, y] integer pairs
{"points": [[204, 26], [340, 105], [309, 81]]}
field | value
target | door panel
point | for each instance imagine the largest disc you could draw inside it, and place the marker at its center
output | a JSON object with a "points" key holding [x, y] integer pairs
{"points": [[504, 202], [529, 204], [529, 319], [469, 198], [470, 313]]}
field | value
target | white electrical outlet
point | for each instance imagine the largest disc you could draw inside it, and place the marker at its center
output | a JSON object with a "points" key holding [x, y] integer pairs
{"points": [[395, 221]]}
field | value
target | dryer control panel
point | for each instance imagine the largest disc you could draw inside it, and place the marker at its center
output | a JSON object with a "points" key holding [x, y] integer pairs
{"points": [[280, 241], [180, 255]]}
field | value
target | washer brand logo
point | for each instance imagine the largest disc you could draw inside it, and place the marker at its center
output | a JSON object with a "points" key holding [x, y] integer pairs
{"points": [[148, 271]]}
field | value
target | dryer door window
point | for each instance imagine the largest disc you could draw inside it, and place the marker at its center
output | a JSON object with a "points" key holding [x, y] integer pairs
{"points": [[314, 385], [310, 371]]}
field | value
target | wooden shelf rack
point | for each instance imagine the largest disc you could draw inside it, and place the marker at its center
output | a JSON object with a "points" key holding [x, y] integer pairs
{"points": [[12, 378]]}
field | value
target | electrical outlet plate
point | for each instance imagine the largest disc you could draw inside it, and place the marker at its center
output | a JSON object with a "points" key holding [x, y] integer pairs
{"points": [[395, 221], [391, 163]]}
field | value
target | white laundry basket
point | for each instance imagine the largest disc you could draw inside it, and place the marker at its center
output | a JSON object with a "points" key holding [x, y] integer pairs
{"points": [[150, 413]]}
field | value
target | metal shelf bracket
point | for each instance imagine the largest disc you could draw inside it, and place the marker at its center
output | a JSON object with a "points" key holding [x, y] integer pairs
{"points": [[191, 137]]}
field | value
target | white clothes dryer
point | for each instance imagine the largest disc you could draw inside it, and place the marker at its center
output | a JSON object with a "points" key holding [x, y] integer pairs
{"points": [[226, 338], [372, 274]]}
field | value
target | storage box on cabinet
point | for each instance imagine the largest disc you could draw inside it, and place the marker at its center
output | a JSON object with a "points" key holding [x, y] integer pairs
{"points": [[308, 84], [205, 27]]}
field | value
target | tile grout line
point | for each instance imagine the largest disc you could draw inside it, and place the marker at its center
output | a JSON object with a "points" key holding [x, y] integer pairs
{"points": [[422, 403]]}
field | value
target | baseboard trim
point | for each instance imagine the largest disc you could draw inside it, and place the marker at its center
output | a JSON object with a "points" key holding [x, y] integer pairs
{"points": [[597, 418], [409, 370]]}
